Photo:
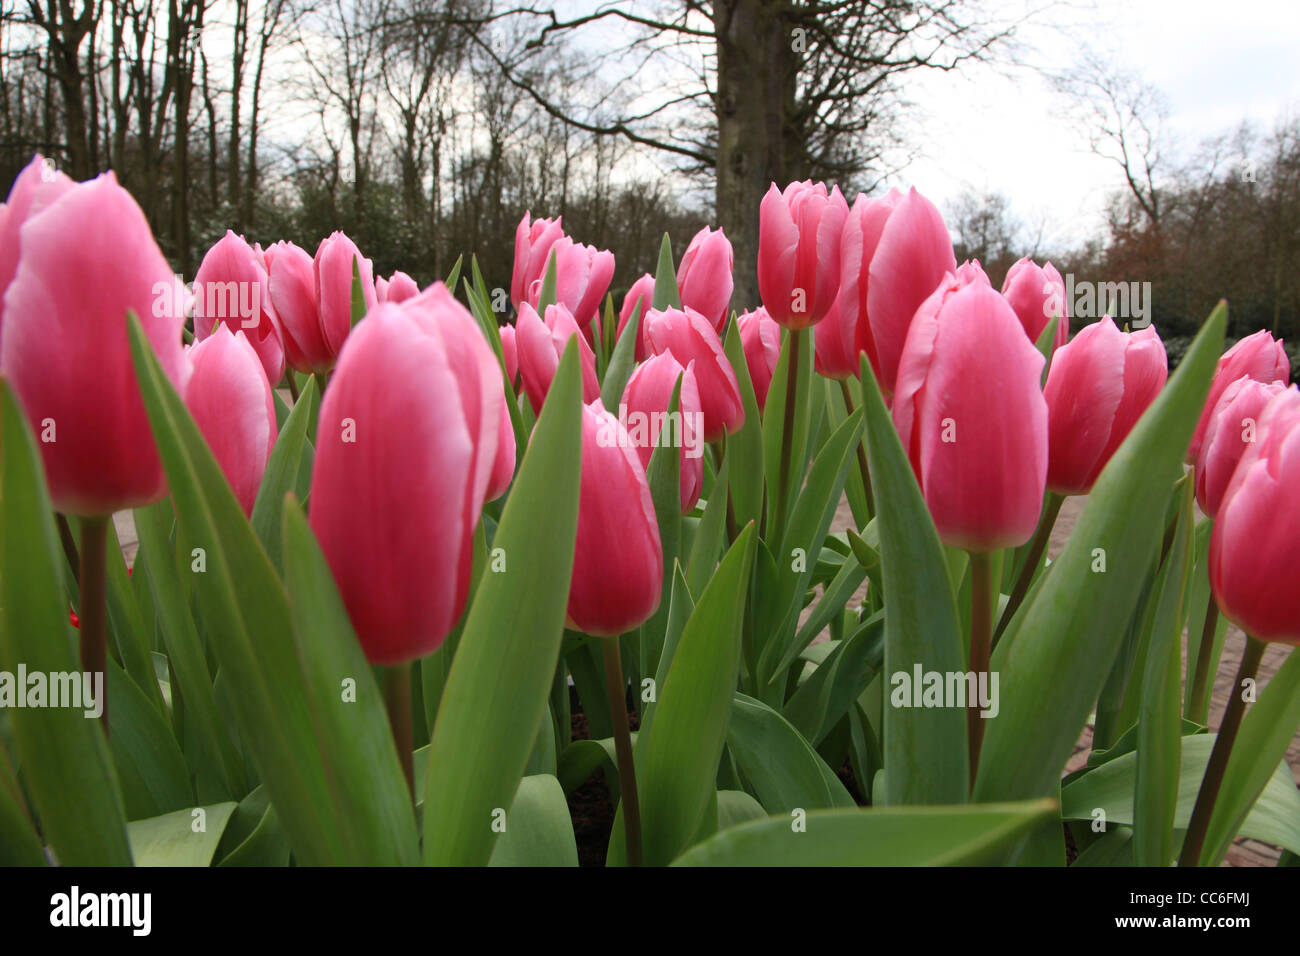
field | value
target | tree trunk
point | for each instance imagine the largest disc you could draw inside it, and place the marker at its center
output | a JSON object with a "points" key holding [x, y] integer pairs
{"points": [[756, 85]]}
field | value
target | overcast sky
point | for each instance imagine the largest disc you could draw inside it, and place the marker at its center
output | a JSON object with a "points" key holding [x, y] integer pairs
{"points": [[1216, 63]]}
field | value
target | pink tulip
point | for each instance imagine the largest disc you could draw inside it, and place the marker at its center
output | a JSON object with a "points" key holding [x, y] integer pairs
{"points": [[510, 352], [38, 185], [846, 330], [233, 289], [503, 465], [760, 337], [910, 260], [690, 338], [293, 294], [645, 401], [1234, 425], [971, 414], [540, 346], [704, 279], [799, 252], [406, 447], [1097, 388], [1037, 293], [1255, 544], [582, 276], [618, 561], [642, 292], [533, 241], [397, 289], [334, 267], [1261, 357], [85, 260], [230, 400]]}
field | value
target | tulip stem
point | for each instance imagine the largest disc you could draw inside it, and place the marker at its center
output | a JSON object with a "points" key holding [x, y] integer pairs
{"points": [[1203, 659], [981, 623], [69, 545], [787, 439], [397, 698], [862, 454], [92, 612], [1194, 842], [1042, 534], [293, 386], [617, 690]]}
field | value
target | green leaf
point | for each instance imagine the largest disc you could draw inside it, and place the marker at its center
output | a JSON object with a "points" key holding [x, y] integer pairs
{"points": [[709, 535], [744, 447], [679, 760], [774, 423], [1057, 651], [622, 363], [783, 770], [538, 830], [547, 296], [666, 295], [149, 763], [903, 836], [1261, 744], [359, 306], [1275, 818], [1045, 343], [496, 694], [825, 697], [924, 747], [64, 759], [172, 840], [454, 275], [281, 475], [736, 807], [1199, 602], [663, 475], [370, 790], [19, 843]]}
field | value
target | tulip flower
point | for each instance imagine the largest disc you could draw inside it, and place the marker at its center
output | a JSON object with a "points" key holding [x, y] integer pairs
{"points": [[406, 446], [503, 465], [1255, 544], [760, 337], [704, 279], [540, 345], [334, 261], [645, 403], [1259, 356], [974, 429], [233, 289], [835, 352], [1037, 293], [293, 294], [510, 352], [618, 560], [582, 276], [799, 252], [397, 289], [1097, 388], [850, 333], [642, 293], [38, 185], [533, 241], [230, 399], [690, 338], [910, 259], [1233, 427], [85, 260]]}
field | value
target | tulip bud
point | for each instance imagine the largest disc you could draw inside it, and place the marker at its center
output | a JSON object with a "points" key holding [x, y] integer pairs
{"points": [[293, 294], [643, 292], [618, 562], [38, 185], [533, 241], [1261, 357], [540, 346], [690, 338], [799, 252], [1234, 425], [974, 429], [1097, 388], [1255, 544], [230, 399], [912, 256], [397, 289], [582, 276], [86, 259], [845, 332], [1037, 293], [233, 289], [334, 265], [704, 279], [760, 337], [645, 403], [406, 446]]}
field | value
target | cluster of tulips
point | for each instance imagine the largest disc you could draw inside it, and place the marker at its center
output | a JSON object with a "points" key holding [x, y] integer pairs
{"points": [[388, 538]]}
